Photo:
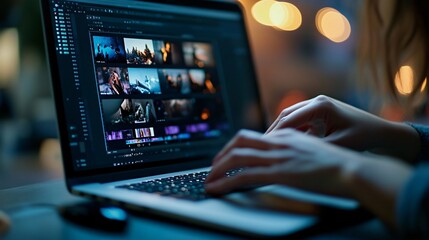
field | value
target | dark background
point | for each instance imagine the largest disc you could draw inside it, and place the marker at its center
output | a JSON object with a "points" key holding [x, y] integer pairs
{"points": [[291, 66]]}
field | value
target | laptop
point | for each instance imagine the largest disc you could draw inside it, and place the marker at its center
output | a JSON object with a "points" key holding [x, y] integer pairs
{"points": [[146, 93]]}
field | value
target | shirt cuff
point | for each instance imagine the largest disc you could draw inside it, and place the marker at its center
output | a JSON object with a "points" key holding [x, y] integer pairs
{"points": [[412, 207], [423, 132]]}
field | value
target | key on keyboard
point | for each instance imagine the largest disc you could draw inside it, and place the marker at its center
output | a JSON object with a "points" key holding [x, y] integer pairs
{"points": [[188, 186]]}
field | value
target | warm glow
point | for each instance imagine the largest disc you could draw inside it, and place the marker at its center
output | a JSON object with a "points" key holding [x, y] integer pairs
{"points": [[289, 99], [424, 85], [261, 12], [9, 55], [285, 16], [209, 86], [392, 112], [205, 114], [404, 80], [50, 156], [333, 25]]}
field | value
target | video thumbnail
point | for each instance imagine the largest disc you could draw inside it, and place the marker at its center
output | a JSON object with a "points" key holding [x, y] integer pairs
{"points": [[198, 54], [172, 130], [175, 81], [167, 53], [144, 81], [144, 111], [113, 80], [198, 127], [144, 132], [201, 81], [108, 49], [119, 135], [128, 111], [209, 109], [178, 109], [139, 51], [159, 110]]}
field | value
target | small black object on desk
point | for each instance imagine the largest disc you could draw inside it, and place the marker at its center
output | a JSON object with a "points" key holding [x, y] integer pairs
{"points": [[95, 215]]}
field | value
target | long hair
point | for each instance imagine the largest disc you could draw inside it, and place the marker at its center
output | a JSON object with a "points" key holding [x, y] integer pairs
{"points": [[387, 44]]}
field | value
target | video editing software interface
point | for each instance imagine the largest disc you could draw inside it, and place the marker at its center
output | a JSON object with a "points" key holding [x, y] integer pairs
{"points": [[144, 83]]}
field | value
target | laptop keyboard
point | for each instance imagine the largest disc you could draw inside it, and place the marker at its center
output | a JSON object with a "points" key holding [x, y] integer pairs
{"points": [[187, 186]]}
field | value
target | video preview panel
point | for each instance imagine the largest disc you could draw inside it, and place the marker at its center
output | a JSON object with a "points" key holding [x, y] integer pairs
{"points": [[144, 132], [144, 81], [113, 80], [198, 54], [108, 49], [129, 111], [167, 53], [175, 81], [137, 69], [178, 109], [139, 51], [202, 81], [119, 135]]}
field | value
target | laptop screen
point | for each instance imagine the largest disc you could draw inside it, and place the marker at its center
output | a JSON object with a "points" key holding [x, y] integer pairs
{"points": [[143, 82]]}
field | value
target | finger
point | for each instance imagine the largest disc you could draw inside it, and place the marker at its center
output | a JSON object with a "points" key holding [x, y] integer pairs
{"points": [[286, 112], [243, 139], [253, 176], [316, 128], [346, 138], [282, 134], [244, 157], [301, 118]]}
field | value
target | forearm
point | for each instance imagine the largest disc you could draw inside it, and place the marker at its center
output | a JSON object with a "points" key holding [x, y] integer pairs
{"points": [[376, 183]]}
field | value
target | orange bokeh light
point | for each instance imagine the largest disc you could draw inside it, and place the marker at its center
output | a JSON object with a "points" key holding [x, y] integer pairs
{"points": [[290, 99], [333, 25]]}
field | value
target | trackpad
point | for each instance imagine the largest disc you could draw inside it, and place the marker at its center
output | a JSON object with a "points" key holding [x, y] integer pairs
{"points": [[282, 198]]}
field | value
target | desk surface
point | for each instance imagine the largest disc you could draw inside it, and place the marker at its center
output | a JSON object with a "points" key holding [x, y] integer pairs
{"points": [[34, 216]]}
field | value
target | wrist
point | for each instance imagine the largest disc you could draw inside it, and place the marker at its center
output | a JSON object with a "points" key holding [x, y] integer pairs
{"points": [[349, 175], [377, 192], [408, 142], [399, 140]]}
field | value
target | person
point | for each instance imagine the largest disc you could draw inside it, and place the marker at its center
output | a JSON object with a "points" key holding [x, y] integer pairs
{"points": [[148, 113], [147, 56], [115, 83], [166, 53], [126, 112], [139, 113], [326, 146], [119, 57]]}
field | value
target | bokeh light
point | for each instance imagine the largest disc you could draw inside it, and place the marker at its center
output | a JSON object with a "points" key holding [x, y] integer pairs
{"points": [[261, 12], [205, 114], [291, 98], [404, 80], [333, 25], [9, 57], [285, 16], [424, 85]]}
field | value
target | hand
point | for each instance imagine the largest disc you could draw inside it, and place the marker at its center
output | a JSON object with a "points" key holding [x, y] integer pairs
{"points": [[284, 157], [344, 125], [295, 159]]}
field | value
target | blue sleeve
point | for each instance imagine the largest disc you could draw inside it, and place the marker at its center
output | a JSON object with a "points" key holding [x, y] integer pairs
{"points": [[423, 132], [412, 207]]}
